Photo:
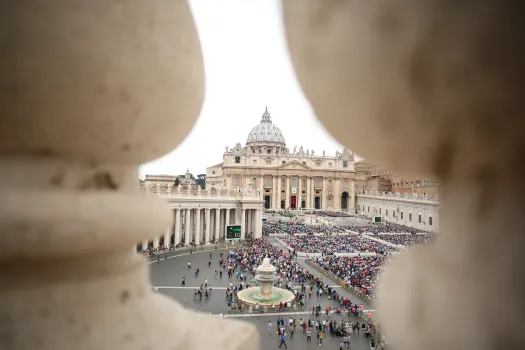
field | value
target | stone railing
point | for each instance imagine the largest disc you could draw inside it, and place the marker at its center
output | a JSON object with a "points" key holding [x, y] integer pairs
{"points": [[342, 283], [408, 196], [179, 192]]}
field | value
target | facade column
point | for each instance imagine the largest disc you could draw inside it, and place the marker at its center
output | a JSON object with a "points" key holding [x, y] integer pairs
{"points": [[274, 192], [312, 192], [167, 238], [287, 191], [177, 226], [278, 197], [197, 226], [156, 242], [352, 197], [299, 191], [337, 194], [243, 224], [324, 193], [217, 223], [208, 226], [145, 245], [308, 204], [187, 225]]}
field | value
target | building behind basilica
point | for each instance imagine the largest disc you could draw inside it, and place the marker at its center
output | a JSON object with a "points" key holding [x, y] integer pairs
{"points": [[287, 179]]}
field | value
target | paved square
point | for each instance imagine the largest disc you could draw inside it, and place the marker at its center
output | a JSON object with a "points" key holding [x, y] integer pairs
{"points": [[167, 276]]}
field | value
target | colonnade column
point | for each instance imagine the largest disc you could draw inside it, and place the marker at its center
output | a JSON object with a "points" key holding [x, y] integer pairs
{"points": [[145, 245], [167, 238], [257, 233], [217, 223], [227, 219], [177, 226], [187, 225], [197, 226], [243, 224], [208, 224], [156, 242], [287, 191], [337, 194], [278, 197], [248, 220]]}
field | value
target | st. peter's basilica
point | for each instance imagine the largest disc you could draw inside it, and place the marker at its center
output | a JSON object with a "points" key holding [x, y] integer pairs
{"points": [[297, 179]]}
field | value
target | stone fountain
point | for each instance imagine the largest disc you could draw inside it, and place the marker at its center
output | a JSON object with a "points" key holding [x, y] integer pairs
{"points": [[266, 293]]}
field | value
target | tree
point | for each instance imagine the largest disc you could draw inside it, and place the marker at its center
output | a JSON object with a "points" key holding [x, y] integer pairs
{"points": [[177, 182], [201, 180]]}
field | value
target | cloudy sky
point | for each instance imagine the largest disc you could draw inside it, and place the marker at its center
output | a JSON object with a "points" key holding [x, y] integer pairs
{"points": [[247, 68]]}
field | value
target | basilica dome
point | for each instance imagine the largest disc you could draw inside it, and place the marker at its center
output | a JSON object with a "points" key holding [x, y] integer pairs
{"points": [[266, 133]]}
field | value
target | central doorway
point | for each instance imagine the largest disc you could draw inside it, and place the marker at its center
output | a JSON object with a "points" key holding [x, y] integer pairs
{"points": [[344, 201], [317, 202], [267, 202], [293, 202]]}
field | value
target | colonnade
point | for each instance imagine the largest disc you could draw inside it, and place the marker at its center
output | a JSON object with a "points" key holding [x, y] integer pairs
{"points": [[205, 225]]}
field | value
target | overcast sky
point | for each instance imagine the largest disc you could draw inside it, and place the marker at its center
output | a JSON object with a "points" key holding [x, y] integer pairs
{"points": [[247, 68]]}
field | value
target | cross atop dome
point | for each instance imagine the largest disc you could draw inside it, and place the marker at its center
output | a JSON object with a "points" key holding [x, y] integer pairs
{"points": [[266, 116]]}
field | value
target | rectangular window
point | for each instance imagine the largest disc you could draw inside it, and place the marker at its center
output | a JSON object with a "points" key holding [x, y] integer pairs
{"points": [[345, 164], [419, 218], [213, 172], [379, 210], [304, 163], [401, 215], [430, 220], [369, 209], [409, 216], [269, 151], [359, 207], [393, 213], [268, 161], [386, 211], [237, 160], [284, 162]]}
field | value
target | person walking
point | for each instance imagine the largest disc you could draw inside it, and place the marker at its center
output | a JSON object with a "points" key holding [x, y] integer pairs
{"points": [[270, 328], [320, 338], [283, 341], [308, 335]]}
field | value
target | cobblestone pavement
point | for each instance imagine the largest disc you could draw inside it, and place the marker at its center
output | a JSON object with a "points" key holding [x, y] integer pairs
{"points": [[167, 276]]}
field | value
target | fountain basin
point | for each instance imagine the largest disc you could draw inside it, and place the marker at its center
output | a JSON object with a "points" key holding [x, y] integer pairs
{"points": [[252, 296]]}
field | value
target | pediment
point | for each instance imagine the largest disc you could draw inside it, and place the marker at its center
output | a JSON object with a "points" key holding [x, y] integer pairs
{"points": [[294, 165]]}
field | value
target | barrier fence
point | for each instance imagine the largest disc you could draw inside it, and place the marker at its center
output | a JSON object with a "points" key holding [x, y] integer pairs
{"points": [[342, 283]]}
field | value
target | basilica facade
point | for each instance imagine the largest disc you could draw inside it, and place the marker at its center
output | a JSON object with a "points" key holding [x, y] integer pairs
{"points": [[286, 179]]}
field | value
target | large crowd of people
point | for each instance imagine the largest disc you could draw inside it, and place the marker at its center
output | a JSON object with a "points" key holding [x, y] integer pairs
{"points": [[381, 228], [336, 244], [332, 214], [359, 272], [292, 228], [408, 240]]}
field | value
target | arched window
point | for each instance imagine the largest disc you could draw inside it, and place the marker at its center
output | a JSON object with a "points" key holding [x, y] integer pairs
{"points": [[345, 184], [283, 182], [254, 180], [267, 182], [303, 183], [318, 182], [294, 182], [237, 180]]}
